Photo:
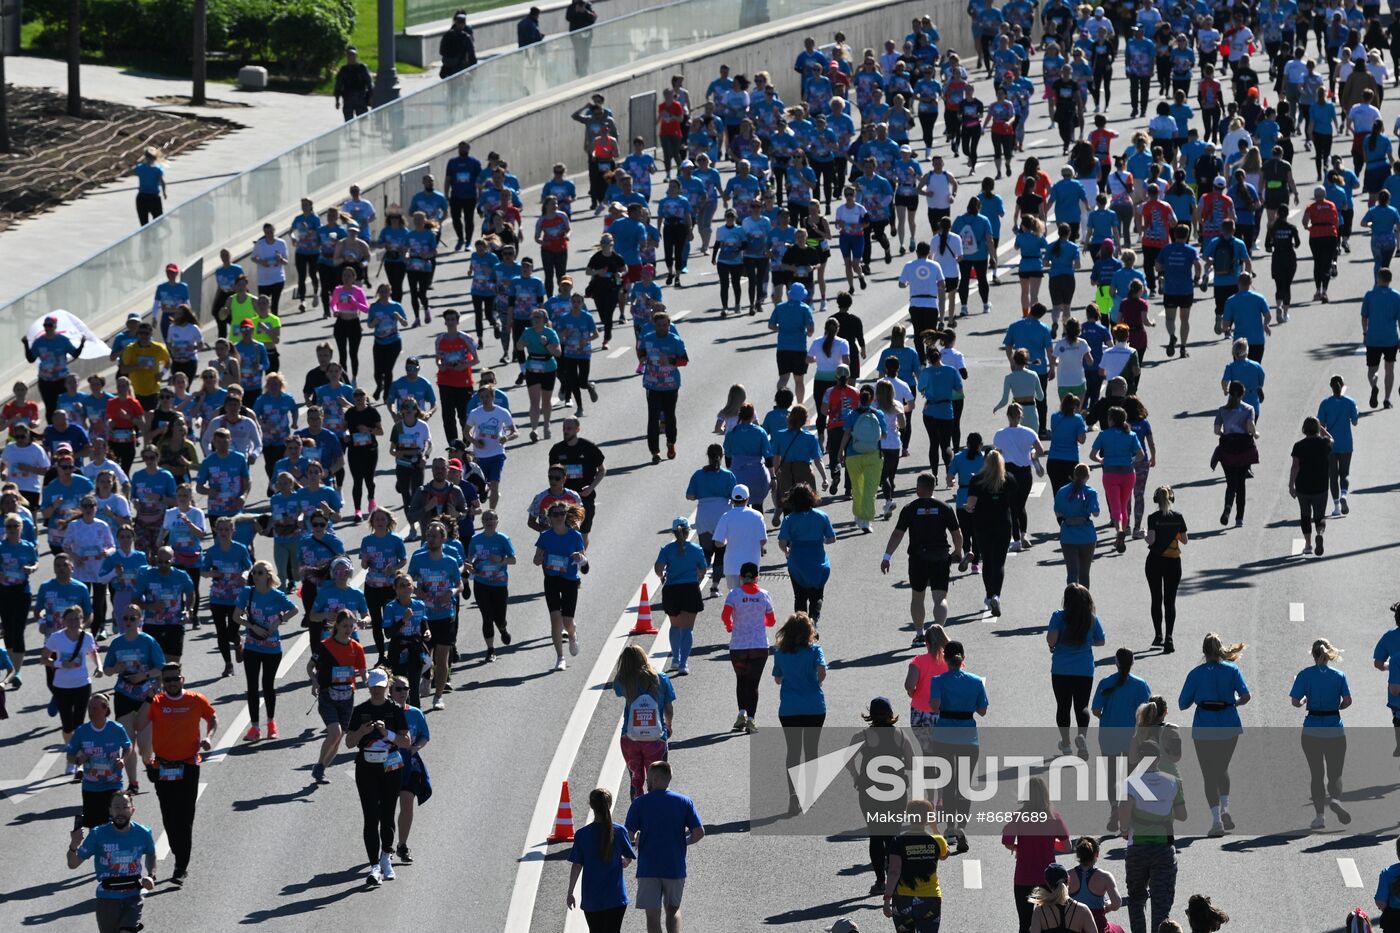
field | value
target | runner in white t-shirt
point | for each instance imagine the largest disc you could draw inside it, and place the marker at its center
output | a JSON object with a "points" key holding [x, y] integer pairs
{"points": [[938, 188]]}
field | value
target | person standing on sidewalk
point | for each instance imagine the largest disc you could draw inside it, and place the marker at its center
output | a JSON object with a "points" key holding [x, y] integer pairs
{"points": [[353, 86], [662, 824], [173, 766]]}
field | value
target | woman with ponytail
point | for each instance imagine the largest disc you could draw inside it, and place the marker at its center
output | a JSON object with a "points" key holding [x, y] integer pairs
{"points": [[1204, 917], [1115, 705], [1054, 911], [1326, 693], [1094, 887], [601, 851], [1166, 533], [1073, 633], [1216, 688]]}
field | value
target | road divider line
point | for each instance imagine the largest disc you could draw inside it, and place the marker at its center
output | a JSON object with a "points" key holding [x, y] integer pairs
{"points": [[972, 874], [1351, 877], [1295, 612], [614, 770], [163, 843], [620, 351], [36, 774], [1038, 489]]}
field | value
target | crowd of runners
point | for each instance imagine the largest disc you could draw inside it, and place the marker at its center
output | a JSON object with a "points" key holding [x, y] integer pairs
{"points": [[198, 483]]}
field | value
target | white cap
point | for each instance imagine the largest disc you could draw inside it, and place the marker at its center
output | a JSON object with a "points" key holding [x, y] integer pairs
{"points": [[687, 164], [740, 493], [377, 678], [905, 149], [1220, 181]]}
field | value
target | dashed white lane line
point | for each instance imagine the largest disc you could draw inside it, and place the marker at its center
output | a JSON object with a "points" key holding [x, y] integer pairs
{"points": [[1351, 877], [680, 314], [37, 773], [1038, 489], [972, 874], [620, 351], [1295, 612], [1006, 247], [163, 843], [1298, 545]]}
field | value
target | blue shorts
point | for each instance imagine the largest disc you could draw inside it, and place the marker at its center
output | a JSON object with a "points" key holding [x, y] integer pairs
{"points": [[852, 246], [492, 466]]}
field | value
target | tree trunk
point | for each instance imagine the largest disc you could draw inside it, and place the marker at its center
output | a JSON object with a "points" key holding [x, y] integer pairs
{"points": [[75, 51], [201, 10]]}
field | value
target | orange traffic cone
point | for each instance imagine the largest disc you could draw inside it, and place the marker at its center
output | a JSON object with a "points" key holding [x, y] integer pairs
{"points": [[643, 626], [564, 819]]}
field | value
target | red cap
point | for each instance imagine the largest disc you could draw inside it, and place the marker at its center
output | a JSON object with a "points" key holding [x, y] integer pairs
{"points": [[172, 267], [454, 464]]}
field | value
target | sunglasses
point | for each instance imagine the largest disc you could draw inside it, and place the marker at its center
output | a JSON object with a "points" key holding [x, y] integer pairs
{"points": [[170, 680], [318, 524], [400, 688]]}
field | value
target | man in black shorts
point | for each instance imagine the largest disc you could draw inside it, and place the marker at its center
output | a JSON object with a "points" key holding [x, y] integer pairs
{"points": [[930, 523], [583, 470], [1380, 330], [1179, 269]]}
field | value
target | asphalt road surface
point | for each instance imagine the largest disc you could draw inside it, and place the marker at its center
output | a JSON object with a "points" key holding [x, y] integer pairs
{"points": [[273, 848]]}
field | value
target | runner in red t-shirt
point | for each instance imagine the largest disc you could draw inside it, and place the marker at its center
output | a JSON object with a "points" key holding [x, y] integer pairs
{"points": [[670, 119], [1155, 221], [456, 354]]}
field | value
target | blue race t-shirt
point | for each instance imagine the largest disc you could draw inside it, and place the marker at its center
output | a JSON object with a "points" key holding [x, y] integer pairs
{"points": [[800, 693], [1073, 660], [664, 819], [604, 886], [101, 746], [117, 855]]}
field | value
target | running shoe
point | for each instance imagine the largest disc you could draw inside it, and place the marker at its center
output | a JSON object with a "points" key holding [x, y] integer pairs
{"points": [[1318, 548], [1337, 510], [740, 722], [505, 635], [670, 451], [996, 606], [1375, 396], [253, 733], [272, 728], [386, 867], [1319, 822], [560, 665], [1346, 510], [1342, 814], [751, 727], [179, 877], [918, 641], [963, 563], [374, 878], [318, 773], [437, 703], [373, 505], [403, 854], [573, 646], [490, 655], [1217, 829]]}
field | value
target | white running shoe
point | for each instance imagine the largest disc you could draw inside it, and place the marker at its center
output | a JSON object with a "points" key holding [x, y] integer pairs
{"points": [[375, 877], [437, 703], [1337, 510], [573, 646], [560, 664], [986, 307], [1319, 822], [386, 867]]}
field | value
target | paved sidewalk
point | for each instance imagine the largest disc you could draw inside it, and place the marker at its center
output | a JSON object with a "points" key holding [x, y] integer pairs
{"points": [[34, 250]]}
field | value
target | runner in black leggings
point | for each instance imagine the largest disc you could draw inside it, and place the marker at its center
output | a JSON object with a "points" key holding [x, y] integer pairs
{"points": [[379, 733], [991, 498], [362, 454], [1217, 689]]}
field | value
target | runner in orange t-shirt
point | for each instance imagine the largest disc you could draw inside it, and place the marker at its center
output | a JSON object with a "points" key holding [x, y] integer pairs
{"points": [[172, 764]]}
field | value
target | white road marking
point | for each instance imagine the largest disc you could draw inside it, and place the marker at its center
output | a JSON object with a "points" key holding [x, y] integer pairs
{"points": [[972, 874], [1006, 248], [1350, 876], [614, 771], [163, 843], [680, 314], [37, 773], [1298, 545], [620, 351], [1295, 612], [1036, 142], [1038, 489]]}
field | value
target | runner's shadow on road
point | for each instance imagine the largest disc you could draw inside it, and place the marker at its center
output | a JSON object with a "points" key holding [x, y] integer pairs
{"points": [[55, 815], [703, 741], [515, 681], [300, 796], [1210, 413], [1332, 351], [821, 911], [19, 738], [48, 889], [327, 879], [878, 659], [1024, 630]]}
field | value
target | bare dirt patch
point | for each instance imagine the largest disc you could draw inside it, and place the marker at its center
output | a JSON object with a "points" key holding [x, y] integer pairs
{"points": [[56, 158]]}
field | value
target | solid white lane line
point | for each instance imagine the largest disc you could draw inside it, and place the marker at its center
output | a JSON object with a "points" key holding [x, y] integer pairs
{"points": [[1351, 877], [163, 843], [1006, 247], [521, 913], [1038, 489], [614, 772], [527, 877], [1295, 612], [37, 773], [972, 874], [620, 351], [1298, 545]]}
